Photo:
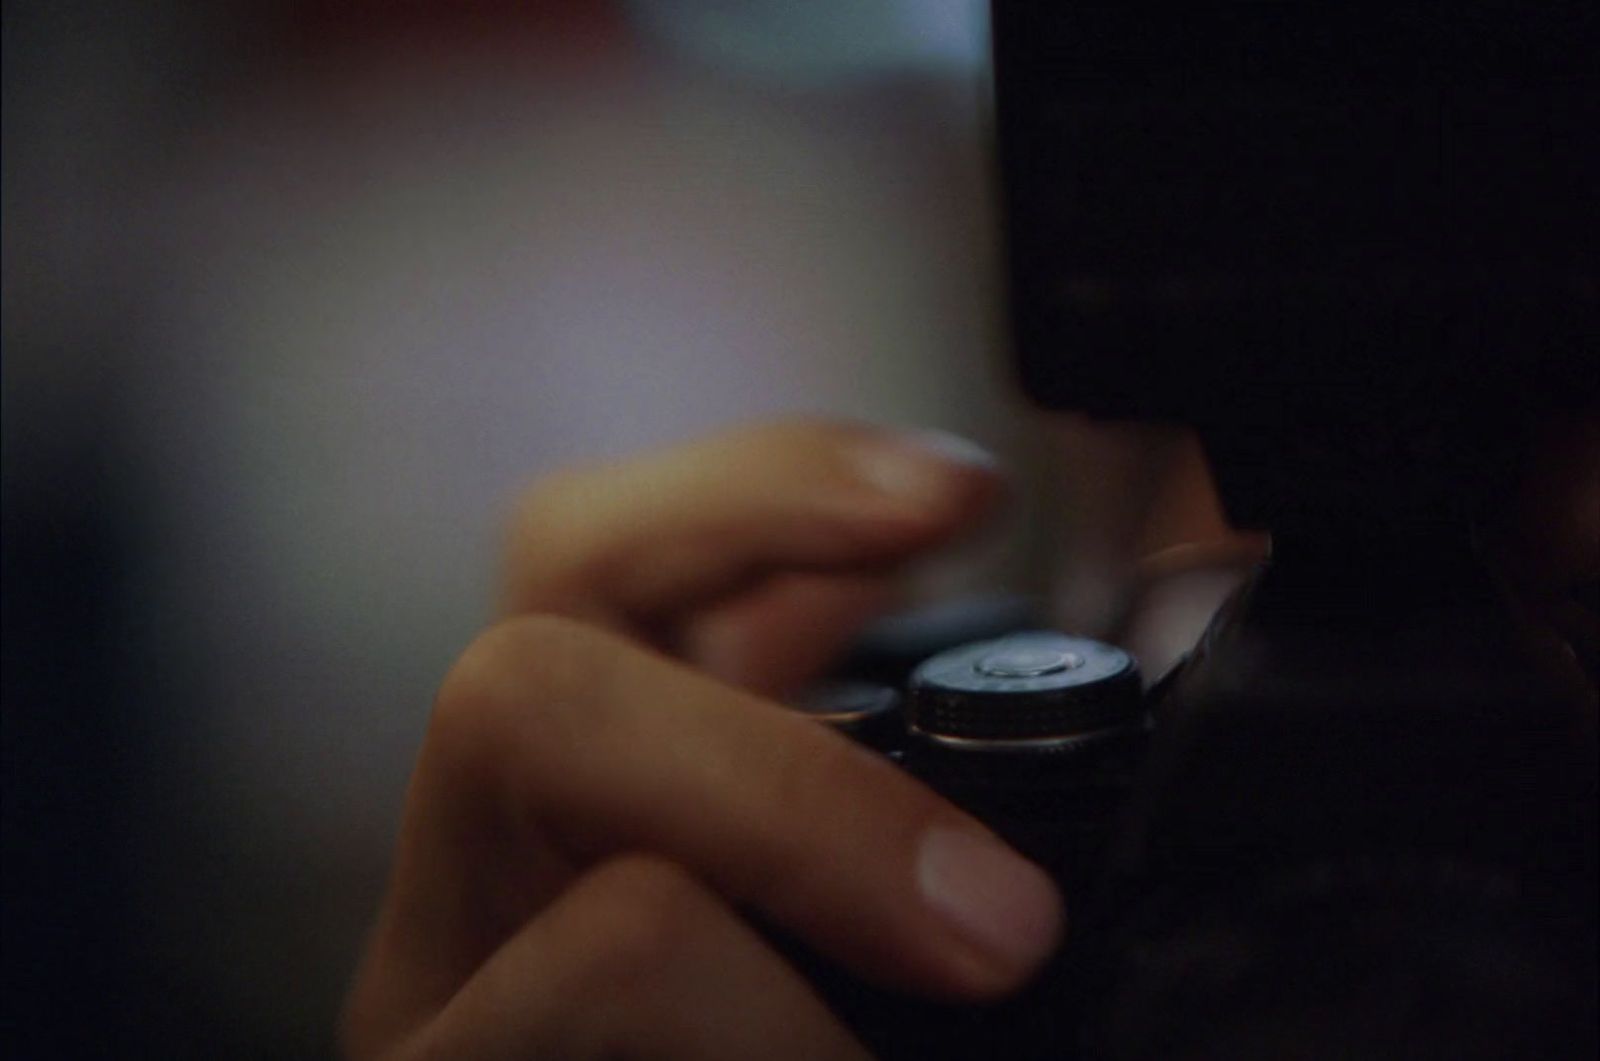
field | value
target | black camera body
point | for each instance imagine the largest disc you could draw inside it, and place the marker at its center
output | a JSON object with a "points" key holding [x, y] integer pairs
{"points": [[1358, 820], [1353, 248]]}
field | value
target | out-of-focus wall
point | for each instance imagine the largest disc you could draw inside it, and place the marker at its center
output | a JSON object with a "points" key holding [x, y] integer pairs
{"points": [[286, 326]]}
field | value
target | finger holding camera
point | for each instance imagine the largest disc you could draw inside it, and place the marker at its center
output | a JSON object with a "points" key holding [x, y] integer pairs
{"points": [[590, 820], [755, 554]]}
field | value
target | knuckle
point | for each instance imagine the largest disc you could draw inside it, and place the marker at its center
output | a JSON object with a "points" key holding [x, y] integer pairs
{"points": [[518, 668]]}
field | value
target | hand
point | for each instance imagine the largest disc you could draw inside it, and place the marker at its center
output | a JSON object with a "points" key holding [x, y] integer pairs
{"points": [[588, 812]]}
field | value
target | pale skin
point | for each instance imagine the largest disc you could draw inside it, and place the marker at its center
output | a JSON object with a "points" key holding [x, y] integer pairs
{"points": [[607, 780]]}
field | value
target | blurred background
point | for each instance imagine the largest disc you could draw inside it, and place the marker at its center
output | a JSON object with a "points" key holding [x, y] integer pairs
{"points": [[297, 296]]}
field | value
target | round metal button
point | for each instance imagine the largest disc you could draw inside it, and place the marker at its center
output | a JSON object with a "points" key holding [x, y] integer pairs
{"points": [[1023, 662]]}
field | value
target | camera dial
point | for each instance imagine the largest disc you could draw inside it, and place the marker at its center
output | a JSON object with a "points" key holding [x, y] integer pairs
{"points": [[1032, 690]]}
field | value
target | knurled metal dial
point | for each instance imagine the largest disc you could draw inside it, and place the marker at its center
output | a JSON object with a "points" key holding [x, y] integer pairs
{"points": [[1037, 685]]}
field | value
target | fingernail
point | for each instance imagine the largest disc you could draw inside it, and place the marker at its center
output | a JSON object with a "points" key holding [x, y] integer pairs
{"points": [[924, 467], [1003, 905]]}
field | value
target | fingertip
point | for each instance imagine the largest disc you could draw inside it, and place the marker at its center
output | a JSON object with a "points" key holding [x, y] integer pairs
{"points": [[956, 449], [1004, 910], [934, 474]]}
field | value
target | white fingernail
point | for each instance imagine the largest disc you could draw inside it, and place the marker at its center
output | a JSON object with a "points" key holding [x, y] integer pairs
{"points": [[922, 467], [998, 901], [957, 449]]}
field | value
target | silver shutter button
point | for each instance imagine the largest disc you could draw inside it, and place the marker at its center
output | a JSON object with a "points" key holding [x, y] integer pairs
{"points": [[1026, 662]]}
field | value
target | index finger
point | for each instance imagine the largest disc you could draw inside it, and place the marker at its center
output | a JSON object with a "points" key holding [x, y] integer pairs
{"points": [[550, 732], [633, 541]]}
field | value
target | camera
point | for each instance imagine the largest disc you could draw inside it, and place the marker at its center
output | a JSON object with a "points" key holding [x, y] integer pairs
{"points": [[1356, 820], [1352, 249], [1037, 734]]}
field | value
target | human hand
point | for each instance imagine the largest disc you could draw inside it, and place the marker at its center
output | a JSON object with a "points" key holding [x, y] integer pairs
{"points": [[590, 808]]}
